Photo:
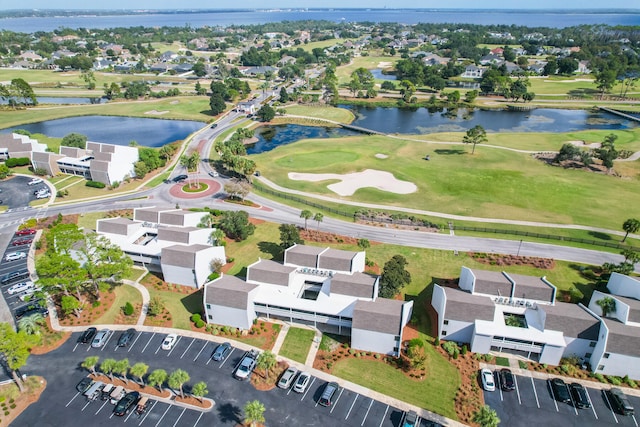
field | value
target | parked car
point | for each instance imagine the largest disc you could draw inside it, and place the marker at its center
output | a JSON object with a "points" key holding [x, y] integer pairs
{"points": [[35, 181], [169, 341], [619, 402], [302, 382], [180, 178], [34, 307], [287, 378], [126, 403], [126, 337], [106, 391], [579, 395], [21, 287], [14, 256], [507, 382], [487, 380], [84, 384], [26, 295], [221, 351], [101, 338], [94, 391], [26, 232], [330, 390], [87, 336], [246, 366], [21, 242], [43, 195], [560, 390], [410, 419], [15, 275]]}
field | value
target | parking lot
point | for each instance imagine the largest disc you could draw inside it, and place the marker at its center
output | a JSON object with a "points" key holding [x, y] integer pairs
{"points": [[532, 403], [16, 193], [65, 406], [17, 244]]}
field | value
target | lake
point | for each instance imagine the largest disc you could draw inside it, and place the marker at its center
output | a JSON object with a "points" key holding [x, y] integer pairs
{"points": [[117, 130], [272, 136]]}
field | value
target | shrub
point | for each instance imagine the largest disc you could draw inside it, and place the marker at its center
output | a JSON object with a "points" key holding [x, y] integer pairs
{"points": [[95, 304], [615, 380], [195, 317], [450, 347], [199, 323], [233, 331], [128, 309], [488, 357], [95, 184], [17, 161], [352, 351], [437, 342], [416, 342], [464, 349], [523, 365], [600, 378], [377, 356]]}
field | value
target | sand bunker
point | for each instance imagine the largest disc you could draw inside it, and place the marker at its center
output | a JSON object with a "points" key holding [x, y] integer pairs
{"points": [[351, 182], [381, 156], [156, 112], [583, 144], [385, 64]]}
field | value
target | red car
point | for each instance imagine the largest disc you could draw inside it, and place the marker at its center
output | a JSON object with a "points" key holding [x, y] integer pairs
{"points": [[26, 232], [21, 242]]}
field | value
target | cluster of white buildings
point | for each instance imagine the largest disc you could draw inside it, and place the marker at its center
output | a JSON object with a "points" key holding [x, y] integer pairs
{"points": [[499, 311]]}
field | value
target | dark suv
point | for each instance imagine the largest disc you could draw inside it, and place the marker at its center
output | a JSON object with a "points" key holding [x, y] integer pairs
{"points": [[126, 337], [180, 178], [327, 395], [32, 308], [507, 383], [579, 395], [560, 390], [619, 402], [87, 336], [16, 275]]}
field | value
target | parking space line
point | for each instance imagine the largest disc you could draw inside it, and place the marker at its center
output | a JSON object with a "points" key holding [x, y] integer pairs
{"points": [[188, 347], [353, 403], [573, 404], [130, 413], [180, 416], [515, 380], [74, 347], [85, 405], [198, 420], [148, 412], [198, 355], [225, 360], [533, 385], [384, 416], [367, 413], [134, 342], [586, 390], [89, 347], [634, 420], [336, 402], [175, 344], [308, 388], [100, 409], [553, 396], [108, 339], [72, 399], [610, 407], [145, 347], [165, 413]]}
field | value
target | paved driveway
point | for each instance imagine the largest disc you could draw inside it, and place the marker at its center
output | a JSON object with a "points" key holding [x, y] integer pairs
{"points": [[16, 193], [61, 405]]}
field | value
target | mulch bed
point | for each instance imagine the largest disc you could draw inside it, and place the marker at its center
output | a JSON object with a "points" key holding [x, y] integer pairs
{"points": [[26, 399], [322, 237], [162, 320], [508, 260], [89, 314], [51, 345], [263, 382]]}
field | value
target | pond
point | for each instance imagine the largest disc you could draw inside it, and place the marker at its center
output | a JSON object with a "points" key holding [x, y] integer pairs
{"points": [[272, 136], [377, 74], [423, 120], [117, 130]]}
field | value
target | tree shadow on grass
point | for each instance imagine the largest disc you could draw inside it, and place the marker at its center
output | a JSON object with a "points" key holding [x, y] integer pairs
{"points": [[600, 236], [449, 151], [193, 302], [274, 249]]}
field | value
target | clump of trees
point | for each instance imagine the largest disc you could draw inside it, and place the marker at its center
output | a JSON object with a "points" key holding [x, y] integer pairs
{"points": [[607, 153], [18, 93], [232, 152], [394, 277], [236, 225]]}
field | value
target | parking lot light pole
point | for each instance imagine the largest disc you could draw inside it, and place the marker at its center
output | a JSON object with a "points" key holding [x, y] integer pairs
{"points": [[519, 246]]}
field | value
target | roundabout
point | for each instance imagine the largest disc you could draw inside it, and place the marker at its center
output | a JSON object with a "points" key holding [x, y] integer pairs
{"points": [[207, 188]]}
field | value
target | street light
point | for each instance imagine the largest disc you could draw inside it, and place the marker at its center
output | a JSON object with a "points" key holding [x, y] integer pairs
{"points": [[519, 246]]}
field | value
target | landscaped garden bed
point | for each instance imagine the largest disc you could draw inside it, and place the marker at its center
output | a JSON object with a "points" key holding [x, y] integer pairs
{"points": [[508, 260], [262, 334], [13, 403]]}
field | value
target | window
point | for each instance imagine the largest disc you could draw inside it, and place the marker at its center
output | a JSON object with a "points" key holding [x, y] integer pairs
{"points": [[600, 367], [208, 306], [606, 355], [446, 322], [396, 349], [444, 333], [210, 317], [588, 355], [592, 344], [397, 338]]}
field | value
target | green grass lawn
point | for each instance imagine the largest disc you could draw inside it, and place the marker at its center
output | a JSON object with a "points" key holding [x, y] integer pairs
{"points": [[297, 344], [436, 393], [262, 244], [343, 72], [180, 306], [124, 294], [492, 183], [335, 114]]}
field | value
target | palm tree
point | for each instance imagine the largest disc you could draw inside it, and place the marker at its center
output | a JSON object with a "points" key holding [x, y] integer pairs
{"points": [[266, 361], [486, 417], [121, 368], [139, 370], [157, 378], [607, 305], [90, 363], [306, 215], [108, 366], [31, 324], [475, 135], [177, 380], [630, 226], [217, 236], [199, 390], [191, 163], [318, 218], [254, 412]]}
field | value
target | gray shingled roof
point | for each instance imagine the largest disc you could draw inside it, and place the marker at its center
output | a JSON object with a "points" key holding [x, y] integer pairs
{"points": [[115, 225], [382, 315], [148, 214], [335, 259], [181, 255], [573, 320], [267, 271], [533, 288], [623, 339], [175, 234], [491, 283], [358, 285], [634, 307], [302, 255], [173, 217], [229, 291], [466, 307]]}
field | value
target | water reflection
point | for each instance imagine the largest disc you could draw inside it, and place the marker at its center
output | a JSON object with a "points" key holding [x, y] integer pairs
{"points": [[272, 136]]}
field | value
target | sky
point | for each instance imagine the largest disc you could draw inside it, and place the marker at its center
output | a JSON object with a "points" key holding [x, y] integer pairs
{"points": [[273, 4]]}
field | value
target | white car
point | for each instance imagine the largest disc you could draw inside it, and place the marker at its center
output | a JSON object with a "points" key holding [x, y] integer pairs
{"points": [[21, 287], [43, 195], [35, 181], [302, 382], [169, 341], [487, 380], [14, 256]]}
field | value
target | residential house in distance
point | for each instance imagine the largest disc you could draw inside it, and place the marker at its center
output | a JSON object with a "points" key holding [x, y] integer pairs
{"points": [[106, 163], [168, 241], [473, 72], [15, 145], [322, 287]]}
